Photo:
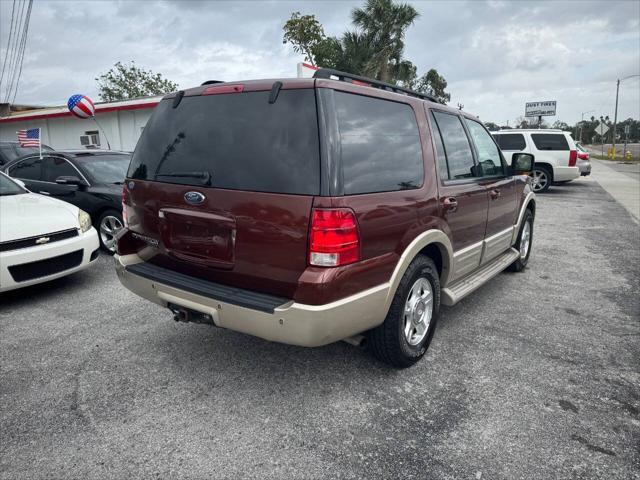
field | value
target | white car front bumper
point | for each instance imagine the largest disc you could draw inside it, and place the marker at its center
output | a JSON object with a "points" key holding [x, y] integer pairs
{"points": [[55, 257]]}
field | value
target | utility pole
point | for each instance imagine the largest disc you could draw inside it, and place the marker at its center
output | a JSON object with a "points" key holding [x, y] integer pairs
{"points": [[615, 120], [460, 106], [615, 116]]}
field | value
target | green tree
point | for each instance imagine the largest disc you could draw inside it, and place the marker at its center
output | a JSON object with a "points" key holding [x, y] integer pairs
{"points": [[560, 125], [305, 34], [130, 81], [492, 126], [383, 24], [432, 83]]}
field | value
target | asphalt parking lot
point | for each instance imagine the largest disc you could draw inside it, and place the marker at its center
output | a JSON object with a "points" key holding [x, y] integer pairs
{"points": [[536, 375]]}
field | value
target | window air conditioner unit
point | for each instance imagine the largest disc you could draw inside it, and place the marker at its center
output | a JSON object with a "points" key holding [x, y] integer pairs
{"points": [[90, 141]]}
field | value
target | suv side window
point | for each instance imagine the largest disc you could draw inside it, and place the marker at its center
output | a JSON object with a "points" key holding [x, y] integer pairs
{"points": [[511, 141], [456, 147], [54, 167], [380, 144], [29, 169], [488, 152], [550, 141], [441, 156]]}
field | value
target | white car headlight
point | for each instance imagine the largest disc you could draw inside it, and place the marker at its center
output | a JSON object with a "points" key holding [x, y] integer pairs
{"points": [[84, 220]]}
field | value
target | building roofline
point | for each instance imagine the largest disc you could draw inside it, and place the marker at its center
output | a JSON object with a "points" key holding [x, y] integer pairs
{"points": [[63, 111]]}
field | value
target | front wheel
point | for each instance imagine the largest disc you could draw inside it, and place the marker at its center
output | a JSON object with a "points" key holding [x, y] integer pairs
{"points": [[524, 243], [405, 334], [109, 224]]}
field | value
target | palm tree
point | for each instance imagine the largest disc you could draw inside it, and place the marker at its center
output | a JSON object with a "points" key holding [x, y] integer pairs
{"points": [[383, 24]]}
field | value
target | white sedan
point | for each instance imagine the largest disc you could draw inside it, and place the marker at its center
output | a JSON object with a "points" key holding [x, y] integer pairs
{"points": [[41, 238]]}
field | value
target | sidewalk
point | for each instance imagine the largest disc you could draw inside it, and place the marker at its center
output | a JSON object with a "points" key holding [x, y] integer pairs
{"points": [[624, 188]]}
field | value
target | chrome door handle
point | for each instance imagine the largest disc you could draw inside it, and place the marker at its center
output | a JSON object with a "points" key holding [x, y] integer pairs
{"points": [[451, 204], [494, 194], [44, 193]]}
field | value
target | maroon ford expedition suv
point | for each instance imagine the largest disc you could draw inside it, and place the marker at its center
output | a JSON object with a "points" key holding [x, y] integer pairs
{"points": [[307, 211]]}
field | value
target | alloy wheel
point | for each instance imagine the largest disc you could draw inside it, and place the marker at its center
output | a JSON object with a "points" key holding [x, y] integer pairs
{"points": [[540, 180], [109, 226], [525, 240], [418, 310]]}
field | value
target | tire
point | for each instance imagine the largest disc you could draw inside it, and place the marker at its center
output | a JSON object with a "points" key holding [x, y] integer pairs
{"points": [[107, 227], [542, 178], [521, 263], [400, 341]]}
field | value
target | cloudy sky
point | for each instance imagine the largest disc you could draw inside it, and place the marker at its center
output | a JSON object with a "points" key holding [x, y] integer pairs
{"points": [[496, 55]]}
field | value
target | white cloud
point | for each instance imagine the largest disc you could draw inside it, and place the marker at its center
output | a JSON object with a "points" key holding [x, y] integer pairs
{"points": [[495, 55]]}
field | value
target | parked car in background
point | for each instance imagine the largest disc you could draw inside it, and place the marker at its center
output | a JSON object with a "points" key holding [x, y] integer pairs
{"points": [[12, 150], [89, 179], [41, 238], [583, 163], [554, 150], [307, 211]]}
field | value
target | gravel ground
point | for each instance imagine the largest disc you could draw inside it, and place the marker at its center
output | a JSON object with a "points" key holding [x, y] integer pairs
{"points": [[536, 375]]}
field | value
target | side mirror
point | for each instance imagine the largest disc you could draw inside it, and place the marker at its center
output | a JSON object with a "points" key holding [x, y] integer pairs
{"points": [[69, 180], [522, 163]]}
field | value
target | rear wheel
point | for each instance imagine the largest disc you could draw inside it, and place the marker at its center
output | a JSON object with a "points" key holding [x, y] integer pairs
{"points": [[524, 243], [407, 331], [109, 223], [542, 178]]}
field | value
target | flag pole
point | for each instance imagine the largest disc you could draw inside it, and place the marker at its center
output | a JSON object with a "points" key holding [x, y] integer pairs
{"points": [[40, 141]]}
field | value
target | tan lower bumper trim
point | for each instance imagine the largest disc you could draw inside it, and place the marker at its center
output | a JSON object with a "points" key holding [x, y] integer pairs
{"points": [[293, 323]]}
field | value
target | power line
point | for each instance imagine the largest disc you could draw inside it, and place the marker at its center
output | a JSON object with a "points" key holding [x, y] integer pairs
{"points": [[24, 48], [14, 50], [6, 53]]}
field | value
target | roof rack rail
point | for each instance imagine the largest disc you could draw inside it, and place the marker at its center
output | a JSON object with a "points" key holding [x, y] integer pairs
{"points": [[211, 82], [357, 79]]}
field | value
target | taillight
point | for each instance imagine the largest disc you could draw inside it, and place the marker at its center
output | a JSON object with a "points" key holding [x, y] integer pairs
{"points": [[573, 157], [125, 201], [583, 156], [333, 238]]}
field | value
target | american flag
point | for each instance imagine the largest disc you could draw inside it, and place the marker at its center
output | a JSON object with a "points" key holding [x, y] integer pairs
{"points": [[29, 138]]}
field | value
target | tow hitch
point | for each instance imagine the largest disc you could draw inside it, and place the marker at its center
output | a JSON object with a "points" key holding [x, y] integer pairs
{"points": [[187, 315]]}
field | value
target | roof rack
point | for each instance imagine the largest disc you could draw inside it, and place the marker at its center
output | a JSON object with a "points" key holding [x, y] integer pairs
{"points": [[211, 82], [370, 82]]}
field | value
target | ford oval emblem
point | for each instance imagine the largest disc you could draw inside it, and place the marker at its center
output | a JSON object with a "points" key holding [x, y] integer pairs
{"points": [[194, 197]]}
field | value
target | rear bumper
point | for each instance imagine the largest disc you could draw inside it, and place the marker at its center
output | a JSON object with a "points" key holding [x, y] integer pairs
{"points": [[563, 174], [291, 322], [86, 242], [585, 167]]}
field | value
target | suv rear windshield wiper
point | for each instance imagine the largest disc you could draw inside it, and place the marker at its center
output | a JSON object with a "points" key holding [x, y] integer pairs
{"points": [[204, 176]]}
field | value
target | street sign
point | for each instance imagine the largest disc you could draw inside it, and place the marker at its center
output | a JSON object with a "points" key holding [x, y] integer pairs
{"points": [[540, 109], [627, 129], [601, 129]]}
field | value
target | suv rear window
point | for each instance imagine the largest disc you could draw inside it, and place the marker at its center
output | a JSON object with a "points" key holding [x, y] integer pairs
{"points": [[550, 141], [380, 144], [239, 141], [511, 141]]}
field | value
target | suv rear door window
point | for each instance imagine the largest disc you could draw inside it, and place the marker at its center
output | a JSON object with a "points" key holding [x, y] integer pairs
{"points": [[488, 152], [550, 141], [238, 141], [380, 144], [511, 141], [456, 145]]}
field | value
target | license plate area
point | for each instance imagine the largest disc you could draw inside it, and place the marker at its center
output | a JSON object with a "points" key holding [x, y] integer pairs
{"points": [[205, 237]]}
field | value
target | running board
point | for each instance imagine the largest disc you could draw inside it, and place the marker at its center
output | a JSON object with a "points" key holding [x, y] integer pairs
{"points": [[459, 289]]}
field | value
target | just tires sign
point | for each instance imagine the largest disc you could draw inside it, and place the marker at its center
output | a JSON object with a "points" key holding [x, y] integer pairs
{"points": [[540, 109]]}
